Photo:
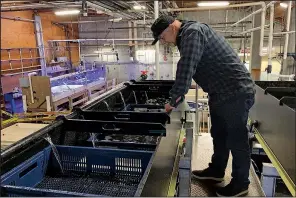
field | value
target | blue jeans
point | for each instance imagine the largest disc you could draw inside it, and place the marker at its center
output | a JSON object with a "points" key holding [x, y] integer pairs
{"points": [[230, 134]]}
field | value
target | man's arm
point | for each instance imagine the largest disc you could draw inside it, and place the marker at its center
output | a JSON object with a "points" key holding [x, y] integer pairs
{"points": [[192, 47]]}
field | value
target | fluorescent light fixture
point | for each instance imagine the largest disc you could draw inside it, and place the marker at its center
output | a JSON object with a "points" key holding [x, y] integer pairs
{"points": [[105, 52], [284, 5], [139, 7], [116, 19], [67, 12], [213, 3]]}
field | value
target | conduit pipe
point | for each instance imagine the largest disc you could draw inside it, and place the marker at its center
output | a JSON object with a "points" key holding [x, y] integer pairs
{"points": [[35, 6], [135, 36], [156, 10], [288, 29], [81, 40], [263, 14], [256, 12], [251, 30], [130, 33], [290, 32], [271, 17], [17, 19]]}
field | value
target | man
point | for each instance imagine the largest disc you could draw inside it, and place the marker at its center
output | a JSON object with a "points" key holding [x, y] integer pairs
{"points": [[207, 58]]}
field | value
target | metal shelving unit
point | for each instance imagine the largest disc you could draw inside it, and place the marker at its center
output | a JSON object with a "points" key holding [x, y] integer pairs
{"points": [[22, 69]]}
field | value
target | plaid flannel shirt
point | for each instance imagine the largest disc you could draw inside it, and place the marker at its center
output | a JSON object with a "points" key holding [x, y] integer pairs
{"points": [[209, 60]]}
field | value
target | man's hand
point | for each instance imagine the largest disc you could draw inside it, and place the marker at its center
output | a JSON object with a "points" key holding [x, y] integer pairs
{"points": [[168, 108]]}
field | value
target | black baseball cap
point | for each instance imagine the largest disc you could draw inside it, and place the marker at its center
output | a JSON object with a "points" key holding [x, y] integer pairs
{"points": [[159, 25]]}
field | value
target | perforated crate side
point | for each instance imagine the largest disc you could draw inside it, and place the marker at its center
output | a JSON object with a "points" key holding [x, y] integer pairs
{"points": [[100, 160], [30, 172]]}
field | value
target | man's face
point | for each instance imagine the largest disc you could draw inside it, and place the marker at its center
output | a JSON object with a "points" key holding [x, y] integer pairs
{"points": [[168, 36]]}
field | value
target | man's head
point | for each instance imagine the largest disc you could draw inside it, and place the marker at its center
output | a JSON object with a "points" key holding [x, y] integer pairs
{"points": [[165, 28]]}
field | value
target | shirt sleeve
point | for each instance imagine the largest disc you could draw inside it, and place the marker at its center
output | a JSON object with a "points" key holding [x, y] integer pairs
{"points": [[191, 51]]}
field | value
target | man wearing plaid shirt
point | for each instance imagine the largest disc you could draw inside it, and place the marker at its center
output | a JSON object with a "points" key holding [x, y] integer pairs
{"points": [[209, 60]]}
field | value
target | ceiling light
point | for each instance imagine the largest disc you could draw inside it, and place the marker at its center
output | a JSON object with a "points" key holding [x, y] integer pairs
{"points": [[67, 12], [139, 7], [213, 3], [116, 19], [284, 5]]}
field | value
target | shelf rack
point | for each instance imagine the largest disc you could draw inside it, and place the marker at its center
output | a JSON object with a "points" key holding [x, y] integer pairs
{"points": [[22, 69]]}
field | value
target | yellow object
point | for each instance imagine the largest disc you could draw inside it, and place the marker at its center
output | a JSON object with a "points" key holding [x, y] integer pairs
{"points": [[32, 117], [173, 183]]}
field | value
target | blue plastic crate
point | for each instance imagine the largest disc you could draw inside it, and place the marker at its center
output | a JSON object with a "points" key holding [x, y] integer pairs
{"points": [[87, 172]]}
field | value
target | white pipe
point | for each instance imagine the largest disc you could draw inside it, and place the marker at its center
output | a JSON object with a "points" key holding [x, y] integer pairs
{"points": [[173, 66], [256, 12], [130, 33], [284, 76], [12, 74], [226, 31], [271, 18], [196, 111], [288, 29], [34, 6], [156, 13], [10, 2], [290, 32], [251, 30], [79, 51], [212, 8], [135, 36], [269, 65], [31, 88], [81, 40], [98, 21], [24, 103], [17, 19], [263, 14]]}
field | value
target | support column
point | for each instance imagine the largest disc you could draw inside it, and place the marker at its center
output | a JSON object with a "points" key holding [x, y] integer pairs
{"points": [[156, 10], [40, 43], [289, 62], [255, 59], [135, 36]]}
